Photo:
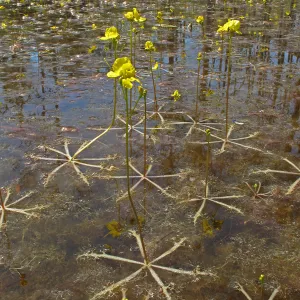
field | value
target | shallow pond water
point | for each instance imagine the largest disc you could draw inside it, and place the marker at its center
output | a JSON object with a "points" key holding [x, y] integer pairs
{"points": [[55, 95]]}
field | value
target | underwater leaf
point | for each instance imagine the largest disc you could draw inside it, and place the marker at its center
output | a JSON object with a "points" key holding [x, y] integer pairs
{"points": [[115, 228], [217, 224], [207, 228]]}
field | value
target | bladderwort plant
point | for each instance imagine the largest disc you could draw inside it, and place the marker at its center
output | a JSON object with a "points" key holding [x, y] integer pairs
{"points": [[206, 196], [125, 72], [229, 28], [149, 266], [73, 161], [150, 48]]}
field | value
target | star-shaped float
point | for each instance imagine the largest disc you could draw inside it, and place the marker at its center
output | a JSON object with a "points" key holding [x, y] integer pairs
{"points": [[294, 185], [255, 189], [240, 288], [6, 208], [144, 266], [194, 124], [148, 178], [214, 200], [72, 160], [228, 140]]}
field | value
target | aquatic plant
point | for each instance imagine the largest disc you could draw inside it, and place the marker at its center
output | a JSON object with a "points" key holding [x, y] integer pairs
{"points": [[233, 141], [215, 200], [72, 160], [294, 185], [195, 124], [229, 28], [143, 177], [255, 189], [6, 208], [149, 47], [241, 289], [149, 266]]}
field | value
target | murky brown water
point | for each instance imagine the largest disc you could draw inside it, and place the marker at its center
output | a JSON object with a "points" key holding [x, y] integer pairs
{"points": [[53, 90]]}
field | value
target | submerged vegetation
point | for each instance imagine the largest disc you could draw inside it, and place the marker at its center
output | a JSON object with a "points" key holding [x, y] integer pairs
{"points": [[194, 168]]}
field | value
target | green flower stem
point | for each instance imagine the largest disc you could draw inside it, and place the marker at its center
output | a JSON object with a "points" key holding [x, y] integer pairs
{"points": [[207, 164], [153, 82], [198, 82], [125, 93], [131, 43], [145, 150], [115, 45], [228, 80], [131, 55]]}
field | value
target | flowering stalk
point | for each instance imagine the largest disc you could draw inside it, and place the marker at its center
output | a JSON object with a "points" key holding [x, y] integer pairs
{"points": [[124, 70], [150, 48], [230, 27]]}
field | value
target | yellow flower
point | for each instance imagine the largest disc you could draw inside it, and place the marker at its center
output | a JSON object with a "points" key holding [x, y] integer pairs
{"points": [[110, 33], [123, 69], [92, 49], [159, 17], [155, 67], [94, 26], [149, 46], [176, 95], [134, 16], [200, 19], [199, 57], [137, 16], [232, 26], [129, 16], [3, 25], [2, 7], [53, 27]]}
